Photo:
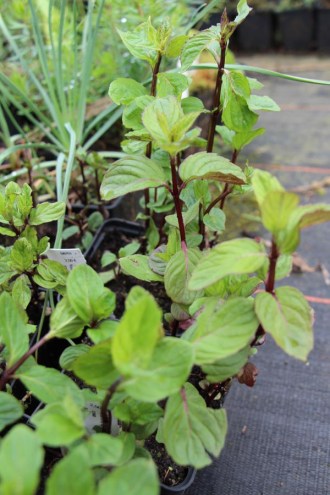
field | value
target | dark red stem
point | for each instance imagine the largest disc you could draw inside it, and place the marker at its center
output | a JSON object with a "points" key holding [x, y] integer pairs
{"points": [[269, 285], [226, 191], [106, 416], [177, 202], [216, 98], [7, 374], [273, 257], [155, 72]]}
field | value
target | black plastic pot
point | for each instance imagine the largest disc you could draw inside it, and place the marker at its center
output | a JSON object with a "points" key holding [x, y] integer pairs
{"points": [[77, 208], [296, 30], [255, 34], [323, 30], [113, 226], [181, 487]]}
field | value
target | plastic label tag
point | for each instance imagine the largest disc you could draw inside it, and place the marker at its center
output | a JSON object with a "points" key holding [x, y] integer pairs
{"points": [[67, 257]]}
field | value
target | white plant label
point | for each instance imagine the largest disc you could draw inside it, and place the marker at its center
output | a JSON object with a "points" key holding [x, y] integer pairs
{"points": [[67, 257]]}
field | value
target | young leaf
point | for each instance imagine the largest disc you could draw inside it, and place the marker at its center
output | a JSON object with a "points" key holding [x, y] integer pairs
{"points": [[137, 334], [88, 296], [137, 477], [69, 232], [243, 11], [194, 46], [171, 84], [70, 354], [129, 174], [73, 475], [129, 249], [64, 321], [21, 291], [238, 83], [132, 117], [139, 44], [160, 117], [21, 255], [227, 367], [108, 258], [175, 45], [10, 410], [96, 366], [256, 102], [60, 423], [215, 220], [20, 467], [264, 183], [224, 332], [242, 139], [191, 430], [138, 412], [167, 124], [308, 215], [13, 331], [51, 274], [137, 266], [48, 384], [228, 258], [104, 331], [277, 209], [24, 201], [210, 166], [192, 104], [288, 318], [46, 212], [8, 232], [102, 449], [177, 275], [166, 372], [188, 216], [226, 134], [123, 90], [236, 114]]}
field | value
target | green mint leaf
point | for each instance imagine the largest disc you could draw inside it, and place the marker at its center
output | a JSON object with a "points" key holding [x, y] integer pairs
{"points": [[123, 91], [288, 318], [137, 334], [130, 174], [96, 366], [13, 330], [49, 385], [210, 166], [227, 367], [88, 296], [73, 475], [46, 212], [137, 477], [219, 333], [137, 265], [10, 410], [177, 275], [27, 461], [238, 256], [167, 370], [191, 430]]}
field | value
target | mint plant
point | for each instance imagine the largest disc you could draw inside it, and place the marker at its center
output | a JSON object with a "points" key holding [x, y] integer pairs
{"points": [[22, 268], [210, 285], [131, 371], [141, 379]]}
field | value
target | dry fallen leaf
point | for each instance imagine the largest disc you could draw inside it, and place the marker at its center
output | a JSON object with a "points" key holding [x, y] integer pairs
{"points": [[299, 265], [326, 274]]}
